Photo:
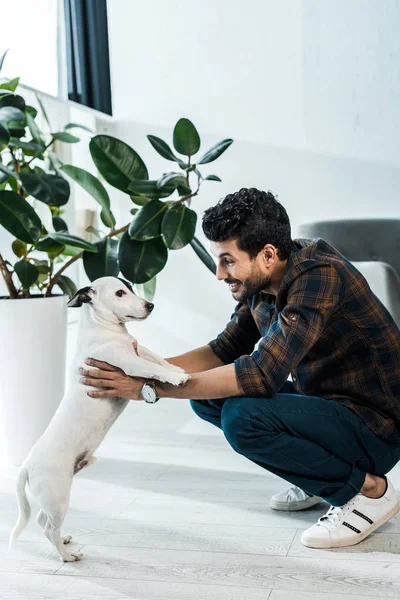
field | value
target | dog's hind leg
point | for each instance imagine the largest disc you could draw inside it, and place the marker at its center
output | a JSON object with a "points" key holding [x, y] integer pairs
{"points": [[41, 520], [53, 533]]}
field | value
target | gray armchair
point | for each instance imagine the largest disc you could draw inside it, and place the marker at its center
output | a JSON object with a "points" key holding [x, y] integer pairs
{"points": [[373, 245]]}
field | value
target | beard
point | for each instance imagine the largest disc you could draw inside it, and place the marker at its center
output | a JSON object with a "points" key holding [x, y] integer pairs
{"points": [[250, 286]]}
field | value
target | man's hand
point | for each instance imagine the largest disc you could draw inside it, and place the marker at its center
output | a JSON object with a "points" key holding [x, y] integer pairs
{"points": [[116, 383]]}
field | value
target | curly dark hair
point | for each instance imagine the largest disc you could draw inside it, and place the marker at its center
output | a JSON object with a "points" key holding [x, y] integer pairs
{"points": [[251, 217]]}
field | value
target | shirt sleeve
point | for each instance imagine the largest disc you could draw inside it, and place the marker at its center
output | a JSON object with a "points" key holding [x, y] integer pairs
{"points": [[239, 336], [312, 298]]}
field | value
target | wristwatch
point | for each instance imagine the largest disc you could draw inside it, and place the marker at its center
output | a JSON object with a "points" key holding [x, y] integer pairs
{"points": [[149, 393]]}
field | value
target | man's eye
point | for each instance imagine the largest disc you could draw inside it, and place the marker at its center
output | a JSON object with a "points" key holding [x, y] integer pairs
{"points": [[228, 262], [120, 293]]}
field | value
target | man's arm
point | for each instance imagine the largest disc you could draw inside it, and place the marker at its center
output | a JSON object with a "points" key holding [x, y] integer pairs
{"points": [[196, 361], [220, 382]]}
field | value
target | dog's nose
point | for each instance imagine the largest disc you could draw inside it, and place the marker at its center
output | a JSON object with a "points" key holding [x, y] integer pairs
{"points": [[149, 306]]}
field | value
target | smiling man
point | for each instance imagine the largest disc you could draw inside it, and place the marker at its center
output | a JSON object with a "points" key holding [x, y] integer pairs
{"points": [[334, 430]]}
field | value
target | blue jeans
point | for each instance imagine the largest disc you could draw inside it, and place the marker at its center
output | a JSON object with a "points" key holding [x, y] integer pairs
{"points": [[316, 444]]}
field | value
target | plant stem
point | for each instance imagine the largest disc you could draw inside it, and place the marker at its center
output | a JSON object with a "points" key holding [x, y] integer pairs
{"points": [[12, 290], [44, 149], [56, 277]]}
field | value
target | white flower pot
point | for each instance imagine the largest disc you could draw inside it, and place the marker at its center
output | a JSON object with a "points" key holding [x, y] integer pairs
{"points": [[33, 335]]}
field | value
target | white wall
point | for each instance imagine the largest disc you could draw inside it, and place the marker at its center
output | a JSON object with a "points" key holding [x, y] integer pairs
{"points": [[309, 90]]}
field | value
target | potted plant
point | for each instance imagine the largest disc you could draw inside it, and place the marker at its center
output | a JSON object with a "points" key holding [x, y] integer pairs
{"points": [[33, 315]]}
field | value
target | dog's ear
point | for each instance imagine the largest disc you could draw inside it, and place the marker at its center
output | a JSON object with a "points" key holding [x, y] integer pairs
{"points": [[84, 295]]}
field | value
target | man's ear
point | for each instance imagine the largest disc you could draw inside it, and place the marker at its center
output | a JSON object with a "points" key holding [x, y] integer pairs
{"points": [[84, 295]]}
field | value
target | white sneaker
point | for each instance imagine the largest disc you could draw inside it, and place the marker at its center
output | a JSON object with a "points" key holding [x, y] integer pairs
{"points": [[293, 499], [351, 523]]}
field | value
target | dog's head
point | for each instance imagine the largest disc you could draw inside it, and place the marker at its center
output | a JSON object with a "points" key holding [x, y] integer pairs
{"points": [[113, 299]]}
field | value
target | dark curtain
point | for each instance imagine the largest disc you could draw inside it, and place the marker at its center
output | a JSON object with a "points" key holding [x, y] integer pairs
{"points": [[88, 61]]}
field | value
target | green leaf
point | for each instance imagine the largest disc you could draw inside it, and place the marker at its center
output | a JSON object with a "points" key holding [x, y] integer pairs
{"points": [[29, 148], [107, 218], [141, 261], [147, 223], [10, 113], [50, 189], [176, 178], [4, 137], [72, 240], [19, 248], [186, 138], [117, 162], [2, 59], [59, 224], [212, 178], [13, 100], [67, 285], [11, 84], [42, 108], [204, 256], [148, 188], [15, 131], [95, 188], [64, 136], [147, 290], [215, 151], [31, 111], [162, 148], [71, 251], [6, 173], [27, 273], [46, 244], [34, 129], [105, 263], [178, 226], [77, 126], [140, 200], [18, 217]]}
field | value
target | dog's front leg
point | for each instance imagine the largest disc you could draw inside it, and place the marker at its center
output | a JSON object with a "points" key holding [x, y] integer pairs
{"points": [[135, 366], [147, 354]]}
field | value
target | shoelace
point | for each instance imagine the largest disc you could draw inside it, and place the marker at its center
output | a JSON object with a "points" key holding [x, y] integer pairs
{"points": [[293, 494], [334, 514]]}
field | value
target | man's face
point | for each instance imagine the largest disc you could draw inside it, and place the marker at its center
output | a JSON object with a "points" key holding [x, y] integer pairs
{"points": [[245, 276]]}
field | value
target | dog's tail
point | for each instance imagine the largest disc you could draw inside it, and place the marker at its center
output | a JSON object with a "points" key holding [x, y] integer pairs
{"points": [[24, 509]]}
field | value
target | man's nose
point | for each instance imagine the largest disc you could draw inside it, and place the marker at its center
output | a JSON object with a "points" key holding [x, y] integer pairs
{"points": [[221, 272]]}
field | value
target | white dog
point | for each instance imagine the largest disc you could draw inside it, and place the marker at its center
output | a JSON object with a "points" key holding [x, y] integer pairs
{"points": [[81, 422]]}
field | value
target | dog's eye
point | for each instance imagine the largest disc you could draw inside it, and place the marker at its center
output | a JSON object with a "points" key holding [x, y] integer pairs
{"points": [[120, 293]]}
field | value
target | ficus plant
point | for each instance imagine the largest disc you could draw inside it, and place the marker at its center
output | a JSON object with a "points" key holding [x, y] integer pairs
{"points": [[162, 216]]}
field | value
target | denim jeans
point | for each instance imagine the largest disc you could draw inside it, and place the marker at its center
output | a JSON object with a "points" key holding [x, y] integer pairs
{"points": [[318, 445]]}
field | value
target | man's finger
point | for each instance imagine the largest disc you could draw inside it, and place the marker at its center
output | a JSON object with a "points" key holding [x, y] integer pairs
{"points": [[96, 373], [101, 365], [103, 394], [95, 382]]}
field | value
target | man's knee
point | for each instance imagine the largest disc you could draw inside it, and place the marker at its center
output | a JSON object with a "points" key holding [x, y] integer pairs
{"points": [[236, 423]]}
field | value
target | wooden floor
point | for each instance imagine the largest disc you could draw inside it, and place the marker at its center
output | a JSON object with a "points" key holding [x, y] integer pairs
{"points": [[169, 511]]}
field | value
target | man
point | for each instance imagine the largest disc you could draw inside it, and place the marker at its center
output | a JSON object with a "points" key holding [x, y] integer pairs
{"points": [[334, 430]]}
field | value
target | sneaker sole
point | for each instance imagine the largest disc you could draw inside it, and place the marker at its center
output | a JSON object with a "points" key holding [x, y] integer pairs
{"points": [[293, 506], [318, 543]]}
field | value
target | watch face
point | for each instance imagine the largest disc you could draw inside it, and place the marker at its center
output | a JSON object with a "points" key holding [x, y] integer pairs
{"points": [[148, 393]]}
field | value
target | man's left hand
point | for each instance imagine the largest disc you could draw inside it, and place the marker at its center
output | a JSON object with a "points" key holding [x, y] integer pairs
{"points": [[116, 383]]}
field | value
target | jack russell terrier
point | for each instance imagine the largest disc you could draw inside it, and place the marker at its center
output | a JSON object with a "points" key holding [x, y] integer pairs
{"points": [[81, 422]]}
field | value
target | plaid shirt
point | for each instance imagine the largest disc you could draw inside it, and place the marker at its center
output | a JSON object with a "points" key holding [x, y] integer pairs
{"points": [[328, 329]]}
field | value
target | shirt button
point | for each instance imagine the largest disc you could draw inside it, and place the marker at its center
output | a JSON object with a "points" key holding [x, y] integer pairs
{"points": [[294, 378]]}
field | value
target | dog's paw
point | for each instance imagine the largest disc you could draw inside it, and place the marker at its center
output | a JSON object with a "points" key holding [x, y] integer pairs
{"points": [[66, 539], [73, 557], [178, 379]]}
